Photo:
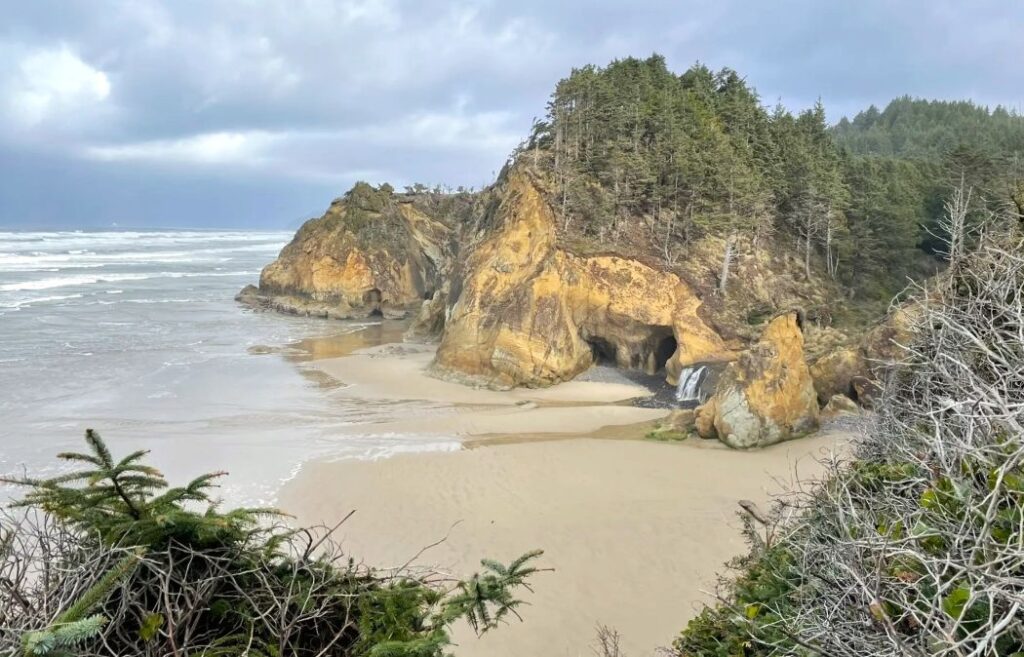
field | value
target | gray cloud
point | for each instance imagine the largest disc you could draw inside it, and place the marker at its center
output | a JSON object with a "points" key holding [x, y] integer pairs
{"points": [[238, 113]]}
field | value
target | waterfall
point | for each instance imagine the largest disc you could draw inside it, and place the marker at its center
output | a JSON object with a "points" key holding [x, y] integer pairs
{"points": [[690, 379]]}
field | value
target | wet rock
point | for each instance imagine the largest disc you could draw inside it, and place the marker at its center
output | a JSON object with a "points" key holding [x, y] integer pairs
{"points": [[428, 324], [704, 420], [681, 420], [394, 313]]}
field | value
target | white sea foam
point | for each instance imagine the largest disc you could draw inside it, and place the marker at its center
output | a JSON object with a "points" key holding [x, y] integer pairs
{"points": [[148, 236], [169, 365], [68, 281], [83, 259], [74, 281], [28, 302], [374, 447]]}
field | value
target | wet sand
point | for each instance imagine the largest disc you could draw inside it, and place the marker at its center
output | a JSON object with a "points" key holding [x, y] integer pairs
{"points": [[396, 373], [636, 530]]}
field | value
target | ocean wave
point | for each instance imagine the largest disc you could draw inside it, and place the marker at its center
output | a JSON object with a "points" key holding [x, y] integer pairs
{"points": [[74, 281], [28, 302], [385, 449], [25, 236], [133, 250], [36, 260]]}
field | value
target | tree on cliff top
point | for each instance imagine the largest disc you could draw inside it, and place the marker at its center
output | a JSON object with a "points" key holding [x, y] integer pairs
{"points": [[644, 159]]}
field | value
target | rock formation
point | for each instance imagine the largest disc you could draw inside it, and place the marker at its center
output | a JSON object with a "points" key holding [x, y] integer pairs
{"points": [[856, 370], [766, 395], [839, 405], [513, 304], [370, 253], [525, 311]]}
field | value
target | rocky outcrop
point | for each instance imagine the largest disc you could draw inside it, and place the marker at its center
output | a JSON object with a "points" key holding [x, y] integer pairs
{"points": [[525, 311], [766, 395], [372, 252], [833, 373], [514, 303], [428, 324], [856, 371], [838, 406]]}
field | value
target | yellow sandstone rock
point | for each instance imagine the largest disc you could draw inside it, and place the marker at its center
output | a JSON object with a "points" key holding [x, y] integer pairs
{"points": [[854, 370], [527, 312], [766, 395], [834, 372], [354, 261]]}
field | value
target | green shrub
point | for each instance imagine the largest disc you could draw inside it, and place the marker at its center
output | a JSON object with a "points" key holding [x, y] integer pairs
{"points": [[116, 562]]}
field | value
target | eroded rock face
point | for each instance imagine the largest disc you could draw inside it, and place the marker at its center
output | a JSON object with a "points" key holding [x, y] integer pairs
{"points": [[369, 253], [833, 373], [428, 324], [857, 371], [767, 394], [527, 312]]}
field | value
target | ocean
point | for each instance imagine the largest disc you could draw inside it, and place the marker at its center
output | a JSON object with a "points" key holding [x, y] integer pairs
{"points": [[136, 334]]}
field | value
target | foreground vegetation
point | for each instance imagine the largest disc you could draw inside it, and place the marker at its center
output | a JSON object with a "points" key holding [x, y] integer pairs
{"points": [[109, 560], [915, 546]]}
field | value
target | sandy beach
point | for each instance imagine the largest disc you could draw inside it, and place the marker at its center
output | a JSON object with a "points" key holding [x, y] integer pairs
{"points": [[396, 373], [635, 530]]}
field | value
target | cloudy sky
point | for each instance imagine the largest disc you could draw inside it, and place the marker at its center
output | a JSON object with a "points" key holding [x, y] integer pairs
{"points": [[256, 113]]}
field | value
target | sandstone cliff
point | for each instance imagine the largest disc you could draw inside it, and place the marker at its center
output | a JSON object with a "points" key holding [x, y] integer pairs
{"points": [[372, 252], [524, 311], [515, 301]]}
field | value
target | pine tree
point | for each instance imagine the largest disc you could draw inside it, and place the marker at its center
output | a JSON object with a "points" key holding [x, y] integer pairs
{"points": [[130, 503]]}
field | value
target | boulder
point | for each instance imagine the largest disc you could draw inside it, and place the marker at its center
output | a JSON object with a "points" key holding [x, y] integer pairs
{"points": [[525, 311], [867, 390], [681, 420], [678, 425], [839, 405], [394, 313], [704, 420], [854, 371], [766, 395], [833, 373]]}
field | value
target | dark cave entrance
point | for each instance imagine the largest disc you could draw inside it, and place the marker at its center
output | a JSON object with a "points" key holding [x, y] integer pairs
{"points": [[372, 299], [604, 352], [666, 347]]}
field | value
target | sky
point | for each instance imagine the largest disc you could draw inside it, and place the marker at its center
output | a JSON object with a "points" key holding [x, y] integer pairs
{"points": [[256, 113]]}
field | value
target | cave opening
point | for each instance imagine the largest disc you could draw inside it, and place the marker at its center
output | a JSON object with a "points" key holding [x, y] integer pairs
{"points": [[372, 299], [666, 347], [604, 351]]}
